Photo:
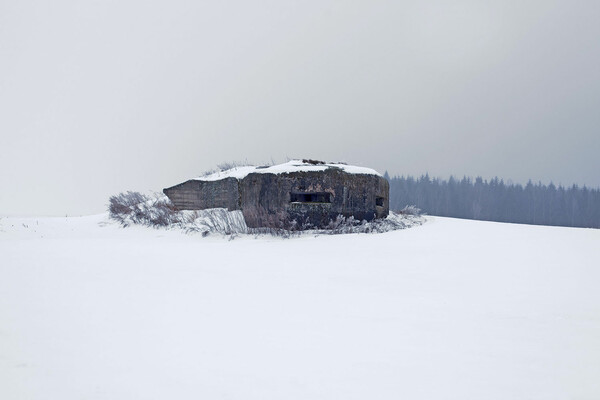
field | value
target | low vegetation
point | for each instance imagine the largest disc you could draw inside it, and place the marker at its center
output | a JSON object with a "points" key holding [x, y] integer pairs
{"points": [[157, 211], [136, 208]]}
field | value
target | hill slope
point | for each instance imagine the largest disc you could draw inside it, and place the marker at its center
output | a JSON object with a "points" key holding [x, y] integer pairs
{"points": [[453, 309]]}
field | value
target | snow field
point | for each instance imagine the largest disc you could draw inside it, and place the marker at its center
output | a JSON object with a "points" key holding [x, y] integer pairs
{"points": [[453, 309]]}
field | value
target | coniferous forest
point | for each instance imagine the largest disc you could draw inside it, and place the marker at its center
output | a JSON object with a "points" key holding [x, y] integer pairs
{"points": [[495, 200]]}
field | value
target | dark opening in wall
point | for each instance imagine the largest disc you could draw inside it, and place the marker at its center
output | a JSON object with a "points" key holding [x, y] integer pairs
{"points": [[321, 197], [379, 201]]}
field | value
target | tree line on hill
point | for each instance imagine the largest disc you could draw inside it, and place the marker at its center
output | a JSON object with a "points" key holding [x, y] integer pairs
{"points": [[495, 200]]}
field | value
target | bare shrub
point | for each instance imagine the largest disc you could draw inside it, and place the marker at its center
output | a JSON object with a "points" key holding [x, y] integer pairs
{"points": [[123, 203], [124, 206], [215, 220], [161, 212], [136, 208], [208, 172]]}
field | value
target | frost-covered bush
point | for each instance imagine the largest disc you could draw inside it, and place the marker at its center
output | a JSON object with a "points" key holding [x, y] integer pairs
{"points": [[394, 221], [123, 204], [214, 220], [134, 208]]}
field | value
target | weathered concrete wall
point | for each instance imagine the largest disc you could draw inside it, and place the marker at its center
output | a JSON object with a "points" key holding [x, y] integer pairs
{"points": [[350, 195], [266, 199], [199, 195]]}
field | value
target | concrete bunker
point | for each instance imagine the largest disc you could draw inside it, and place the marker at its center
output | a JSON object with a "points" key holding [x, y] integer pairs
{"points": [[311, 193]]}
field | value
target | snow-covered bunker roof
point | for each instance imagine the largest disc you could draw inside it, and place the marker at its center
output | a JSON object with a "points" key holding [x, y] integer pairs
{"points": [[286, 168]]}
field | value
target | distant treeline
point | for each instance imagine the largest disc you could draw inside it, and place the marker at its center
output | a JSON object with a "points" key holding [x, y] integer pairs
{"points": [[495, 200]]}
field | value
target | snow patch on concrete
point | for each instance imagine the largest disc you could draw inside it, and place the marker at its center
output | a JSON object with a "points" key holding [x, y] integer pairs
{"points": [[286, 168]]}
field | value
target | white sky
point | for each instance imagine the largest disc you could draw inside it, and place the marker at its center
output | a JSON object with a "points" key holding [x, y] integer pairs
{"points": [[98, 97]]}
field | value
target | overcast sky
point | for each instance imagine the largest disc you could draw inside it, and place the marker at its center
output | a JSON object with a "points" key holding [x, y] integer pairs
{"points": [[98, 97]]}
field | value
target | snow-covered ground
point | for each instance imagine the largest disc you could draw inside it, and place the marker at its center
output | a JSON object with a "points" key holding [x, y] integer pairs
{"points": [[453, 309]]}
